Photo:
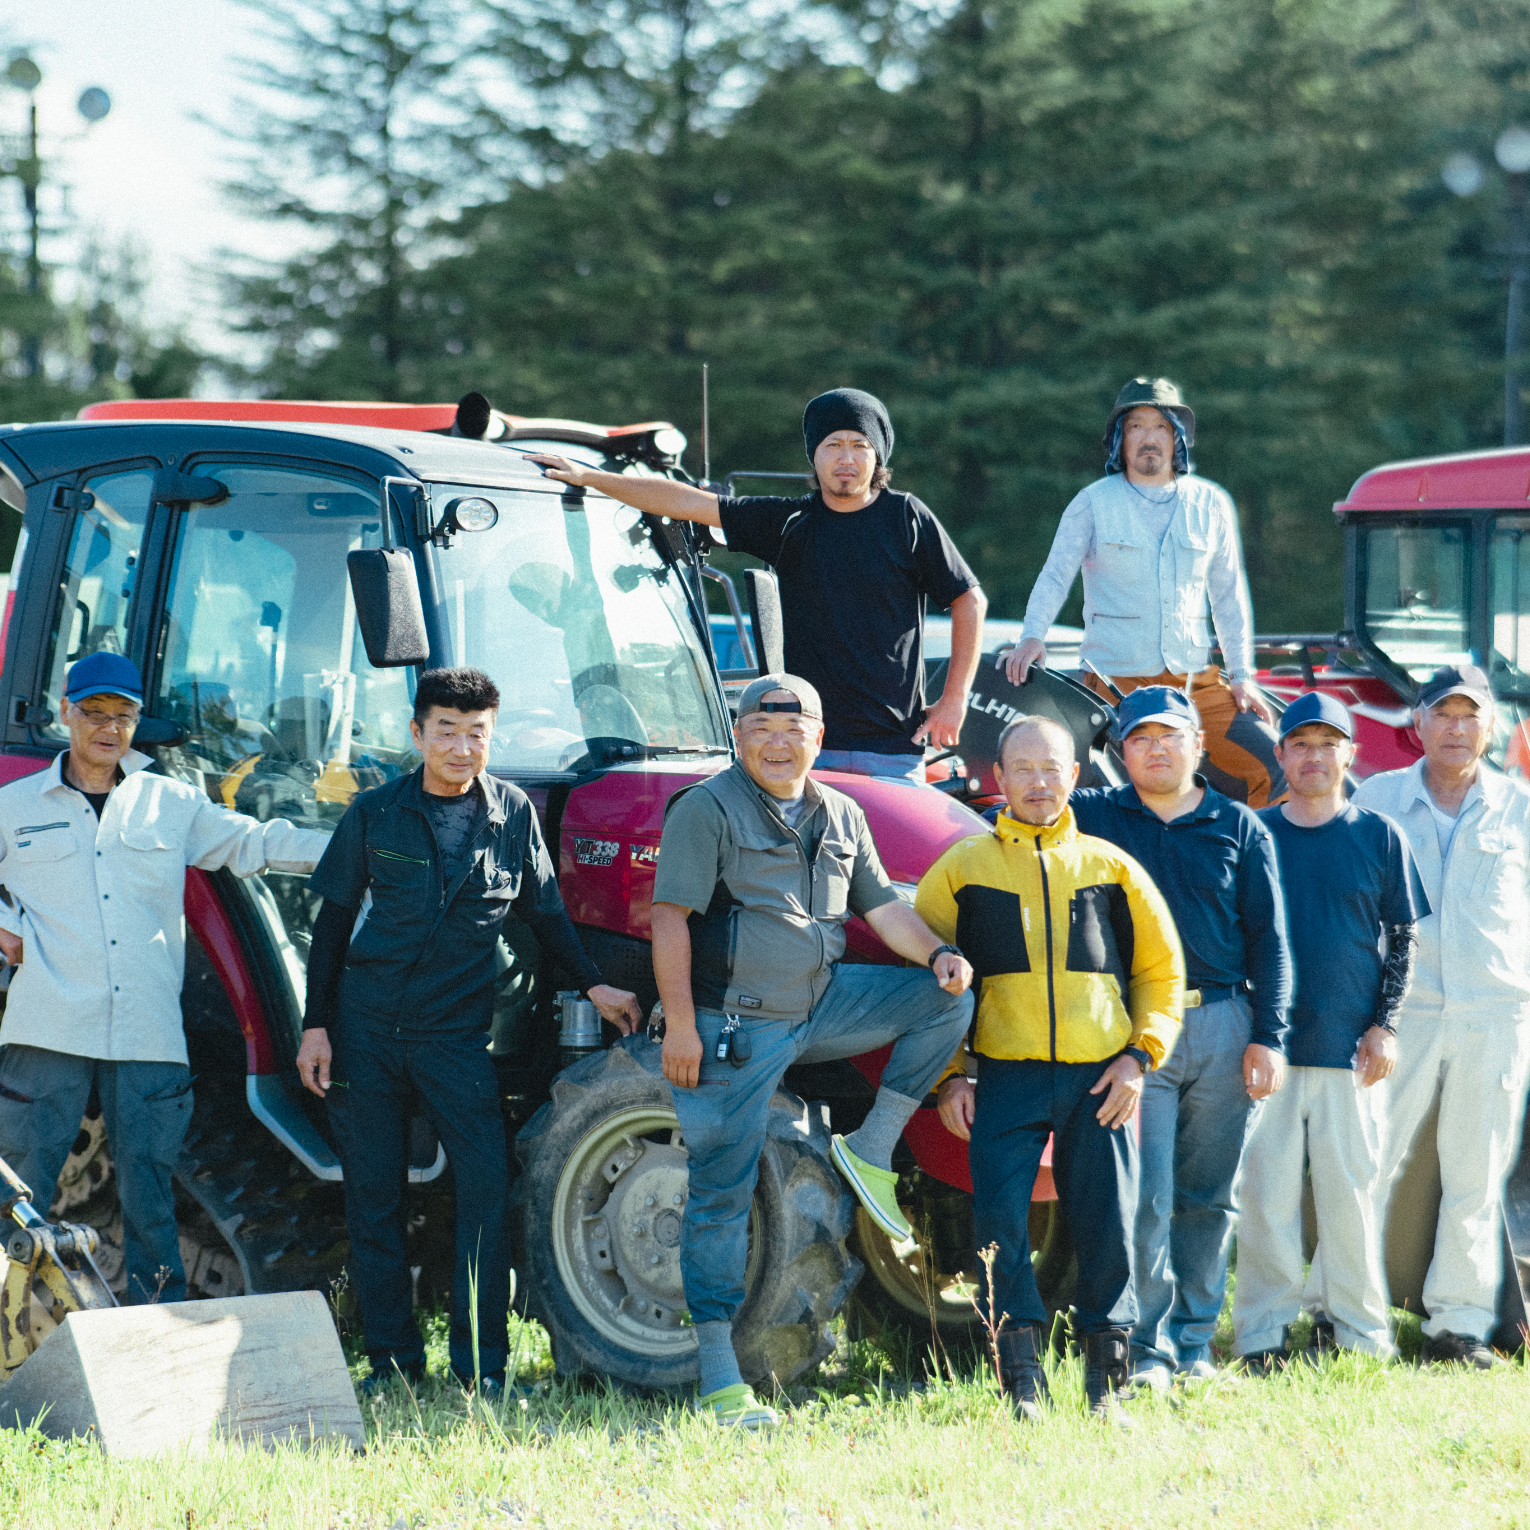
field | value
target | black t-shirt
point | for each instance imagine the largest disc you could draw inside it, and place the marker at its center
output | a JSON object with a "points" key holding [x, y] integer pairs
{"points": [[1345, 882], [454, 821], [853, 591]]}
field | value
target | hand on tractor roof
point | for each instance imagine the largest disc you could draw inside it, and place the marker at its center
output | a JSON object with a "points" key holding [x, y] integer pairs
{"points": [[1017, 662]]}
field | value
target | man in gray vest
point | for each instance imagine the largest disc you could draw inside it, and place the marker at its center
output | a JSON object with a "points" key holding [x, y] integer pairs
{"points": [[1156, 543], [759, 871]]}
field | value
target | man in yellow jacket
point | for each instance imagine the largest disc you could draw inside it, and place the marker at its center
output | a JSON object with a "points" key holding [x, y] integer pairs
{"points": [[1077, 964]]}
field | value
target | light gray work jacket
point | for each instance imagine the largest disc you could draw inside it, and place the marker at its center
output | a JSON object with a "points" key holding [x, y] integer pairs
{"points": [[1145, 602], [1473, 961], [100, 905]]}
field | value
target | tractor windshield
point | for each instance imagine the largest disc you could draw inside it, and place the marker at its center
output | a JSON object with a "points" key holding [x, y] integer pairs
{"points": [[1418, 604], [584, 626]]}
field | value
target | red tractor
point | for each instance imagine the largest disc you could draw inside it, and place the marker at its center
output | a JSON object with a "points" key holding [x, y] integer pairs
{"points": [[209, 542]]}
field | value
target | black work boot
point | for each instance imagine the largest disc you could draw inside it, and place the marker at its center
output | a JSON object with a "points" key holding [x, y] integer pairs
{"points": [[1107, 1384], [1460, 1349], [1020, 1371]]}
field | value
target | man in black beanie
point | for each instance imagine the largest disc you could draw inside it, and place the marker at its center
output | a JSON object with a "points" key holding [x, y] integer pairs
{"points": [[857, 564]]}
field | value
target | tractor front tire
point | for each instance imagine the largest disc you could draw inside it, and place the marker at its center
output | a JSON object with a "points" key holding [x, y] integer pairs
{"points": [[596, 1224]]}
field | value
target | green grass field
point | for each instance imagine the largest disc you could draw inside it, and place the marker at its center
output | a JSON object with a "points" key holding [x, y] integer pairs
{"points": [[869, 1441]]}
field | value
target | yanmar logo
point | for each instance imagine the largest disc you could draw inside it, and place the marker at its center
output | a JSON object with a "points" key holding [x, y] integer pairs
{"points": [[596, 852]]}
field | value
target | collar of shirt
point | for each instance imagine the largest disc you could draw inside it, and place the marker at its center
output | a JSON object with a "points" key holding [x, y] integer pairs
{"points": [[811, 798], [1489, 789], [1210, 805], [493, 794], [1012, 831], [130, 764]]}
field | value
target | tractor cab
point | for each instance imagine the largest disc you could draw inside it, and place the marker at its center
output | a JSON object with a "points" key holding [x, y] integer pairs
{"points": [[1437, 571]]}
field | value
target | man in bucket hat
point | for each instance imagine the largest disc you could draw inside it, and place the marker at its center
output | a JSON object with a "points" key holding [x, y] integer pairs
{"points": [[857, 564], [1155, 543]]}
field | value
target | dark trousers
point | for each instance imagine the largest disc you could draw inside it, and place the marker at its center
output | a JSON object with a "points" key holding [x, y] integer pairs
{"points": [[1094, 1168], [146, 1107], [378, 1079]]}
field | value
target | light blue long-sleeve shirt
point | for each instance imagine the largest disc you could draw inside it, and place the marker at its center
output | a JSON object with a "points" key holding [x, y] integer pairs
{"points": [[1146, 591]]}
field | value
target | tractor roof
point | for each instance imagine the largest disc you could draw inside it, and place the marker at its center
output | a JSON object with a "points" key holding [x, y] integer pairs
{"points": [[435, 418], [1498, 479]]}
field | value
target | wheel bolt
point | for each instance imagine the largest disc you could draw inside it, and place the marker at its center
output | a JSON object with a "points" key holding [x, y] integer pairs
{"points": [[679, 1200], [654, 1260], [648, 1201]]}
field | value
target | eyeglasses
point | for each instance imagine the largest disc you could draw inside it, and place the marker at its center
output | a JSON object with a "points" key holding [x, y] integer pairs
{"points": [[101, 721]]}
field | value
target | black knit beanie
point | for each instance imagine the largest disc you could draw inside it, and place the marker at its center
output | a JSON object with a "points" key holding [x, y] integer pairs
{"points": [[847, 409]]}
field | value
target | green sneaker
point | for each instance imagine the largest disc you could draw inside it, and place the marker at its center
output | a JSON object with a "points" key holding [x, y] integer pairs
{"points": [[737, 1407], [877, 1190]]}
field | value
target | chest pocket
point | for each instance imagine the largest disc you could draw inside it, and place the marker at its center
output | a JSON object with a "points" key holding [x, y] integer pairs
{"points": [[1193, 553], [1499, 868], [831, 876], [392, 868], [148, 837], [767, 872], [490, 878], [44, 842], [1121, 562]]}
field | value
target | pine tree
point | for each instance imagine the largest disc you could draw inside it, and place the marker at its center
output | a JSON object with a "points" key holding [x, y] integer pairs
{"points": [[362, 138]]}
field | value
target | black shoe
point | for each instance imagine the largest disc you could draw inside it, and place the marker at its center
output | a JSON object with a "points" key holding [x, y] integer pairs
{"points": [[1020, 1371], [1460, 1349], [386, 1371], [1107, 1379], [1323, 1344], [1263, 1362]]}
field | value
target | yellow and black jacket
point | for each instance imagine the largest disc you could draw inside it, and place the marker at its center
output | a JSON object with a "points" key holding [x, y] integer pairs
{"points": [[1074, 949]]}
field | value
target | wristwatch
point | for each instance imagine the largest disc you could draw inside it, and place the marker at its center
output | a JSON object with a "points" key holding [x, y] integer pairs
{"points": [[1143, 1059], [941, 950]]}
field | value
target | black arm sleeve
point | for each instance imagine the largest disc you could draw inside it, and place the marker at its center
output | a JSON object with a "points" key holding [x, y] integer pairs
{"points": [[559, 939], [326, 962], [1396, 974]]}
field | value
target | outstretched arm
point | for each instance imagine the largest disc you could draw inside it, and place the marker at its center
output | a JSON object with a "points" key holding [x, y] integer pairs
{"points": [[655, 496]]}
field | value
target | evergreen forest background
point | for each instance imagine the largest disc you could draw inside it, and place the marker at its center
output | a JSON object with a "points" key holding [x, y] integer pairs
{"points": [[991, 215]]}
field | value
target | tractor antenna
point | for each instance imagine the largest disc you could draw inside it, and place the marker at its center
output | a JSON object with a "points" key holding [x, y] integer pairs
{"points": [[706, 437]]}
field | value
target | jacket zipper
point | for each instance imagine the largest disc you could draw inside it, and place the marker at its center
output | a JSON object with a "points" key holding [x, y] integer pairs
{"points": [[1046, 908]]}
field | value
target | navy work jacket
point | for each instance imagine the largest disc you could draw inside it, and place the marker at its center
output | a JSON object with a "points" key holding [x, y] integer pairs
{"points": [[423, 961], [1217, 870]]}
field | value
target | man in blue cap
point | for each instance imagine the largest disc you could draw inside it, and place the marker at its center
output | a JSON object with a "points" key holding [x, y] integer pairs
{"points": [[1157, 544], [857, 564], [1464, 1034], [93, 858], [1214, 863], [1353, 900]]}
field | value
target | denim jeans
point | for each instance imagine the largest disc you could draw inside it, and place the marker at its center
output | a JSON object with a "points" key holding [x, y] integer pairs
{"points": [[146, 1107], [1196, 1121], [906, 769], [1020, 1103], [724, 1117]]}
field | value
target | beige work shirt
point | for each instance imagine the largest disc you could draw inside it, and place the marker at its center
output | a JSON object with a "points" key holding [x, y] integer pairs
{"points": [[100, 905]]}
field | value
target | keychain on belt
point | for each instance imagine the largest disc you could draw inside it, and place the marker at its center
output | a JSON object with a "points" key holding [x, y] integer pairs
{"points": [[733, 1044]]}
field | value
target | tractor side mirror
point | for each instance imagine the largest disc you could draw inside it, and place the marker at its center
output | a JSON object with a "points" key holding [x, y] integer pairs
{"points": [[158, 733], [388, 608], [765, 619]]}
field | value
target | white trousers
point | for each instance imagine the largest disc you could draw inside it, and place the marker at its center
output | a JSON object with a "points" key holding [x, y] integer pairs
{"points": [[1323, 1120], [1479, 1071]]}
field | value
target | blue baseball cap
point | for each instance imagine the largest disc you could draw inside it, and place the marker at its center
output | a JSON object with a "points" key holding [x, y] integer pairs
{"points": [[1159, 704], [1317, 707], [104, 674]]}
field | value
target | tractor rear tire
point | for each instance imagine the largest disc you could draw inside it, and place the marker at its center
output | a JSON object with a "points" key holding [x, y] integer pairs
{"points": [[596, 1228]]}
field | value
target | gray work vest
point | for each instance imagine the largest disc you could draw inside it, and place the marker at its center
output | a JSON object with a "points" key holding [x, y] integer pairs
{"points": [[768, 941]]}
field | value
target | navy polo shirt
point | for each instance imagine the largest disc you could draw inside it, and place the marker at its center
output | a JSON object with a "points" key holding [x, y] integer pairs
{"points": [[1216, 868], [1346, 882]]}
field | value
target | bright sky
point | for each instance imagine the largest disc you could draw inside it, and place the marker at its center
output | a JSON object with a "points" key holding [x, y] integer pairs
{"points": [[149, 169]]}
